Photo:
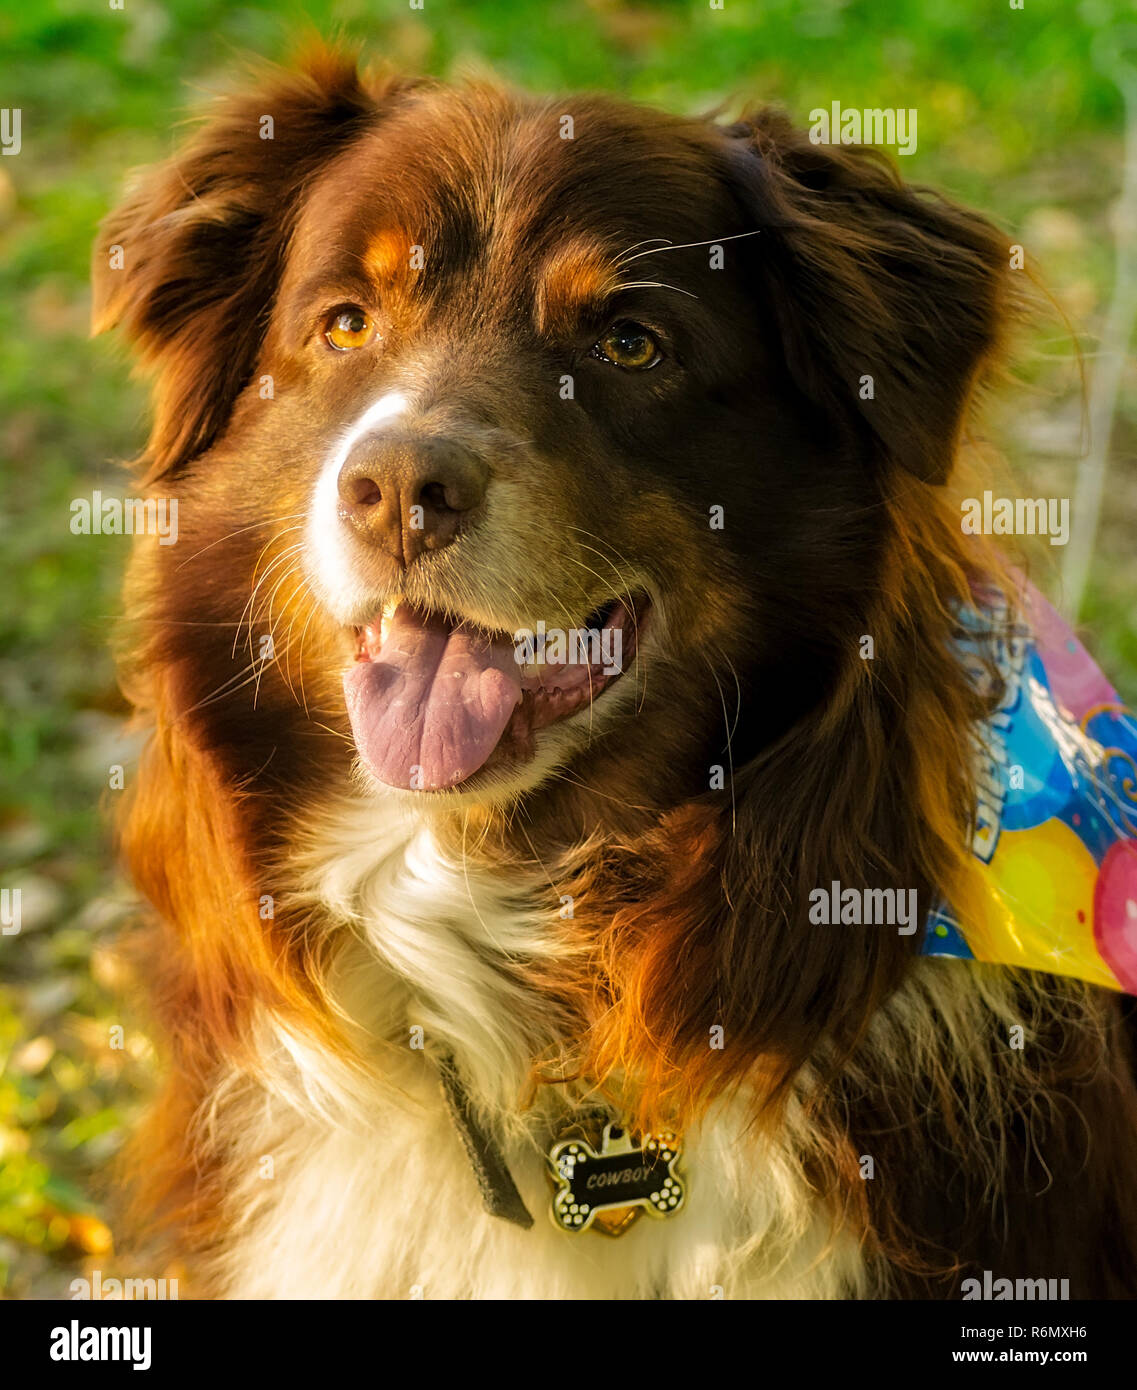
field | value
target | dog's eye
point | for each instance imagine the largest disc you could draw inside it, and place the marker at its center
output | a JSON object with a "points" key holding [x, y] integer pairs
{"points": [[628, 345], [349, 328]]}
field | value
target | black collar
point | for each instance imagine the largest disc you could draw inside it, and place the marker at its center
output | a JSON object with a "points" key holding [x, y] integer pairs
{"points": [[495, 1182]]}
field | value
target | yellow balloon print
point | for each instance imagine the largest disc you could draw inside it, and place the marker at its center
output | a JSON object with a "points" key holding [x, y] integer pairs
{"points": [[1035, 905]]}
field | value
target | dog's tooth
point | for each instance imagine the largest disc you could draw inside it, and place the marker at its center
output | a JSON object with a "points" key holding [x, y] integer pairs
{"points": [[385, 618]]}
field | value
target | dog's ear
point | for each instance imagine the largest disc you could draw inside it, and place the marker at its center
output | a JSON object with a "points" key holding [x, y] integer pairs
{"points": [[888, 299], [188, 264]]}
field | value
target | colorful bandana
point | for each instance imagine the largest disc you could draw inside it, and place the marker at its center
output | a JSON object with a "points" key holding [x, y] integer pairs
{"points": [[1055, 844]]}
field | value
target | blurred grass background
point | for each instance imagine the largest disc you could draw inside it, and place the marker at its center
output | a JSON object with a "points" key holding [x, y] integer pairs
{"points": [[1014, 117]]}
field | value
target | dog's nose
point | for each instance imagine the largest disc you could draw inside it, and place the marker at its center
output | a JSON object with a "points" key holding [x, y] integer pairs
{"points": [[409, 496]]}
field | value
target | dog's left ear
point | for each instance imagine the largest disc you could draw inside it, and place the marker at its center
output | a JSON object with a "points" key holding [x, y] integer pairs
{"points": [[888, 299], [188, 264]]}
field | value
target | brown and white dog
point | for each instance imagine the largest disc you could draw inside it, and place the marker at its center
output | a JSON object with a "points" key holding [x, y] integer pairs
{"points": [[439, 366]]}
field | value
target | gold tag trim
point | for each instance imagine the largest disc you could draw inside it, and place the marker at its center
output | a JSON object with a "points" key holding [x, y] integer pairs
{"points": [[609, 1188]]}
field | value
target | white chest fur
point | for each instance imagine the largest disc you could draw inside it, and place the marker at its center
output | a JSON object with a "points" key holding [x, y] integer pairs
{"points": [[351, 1182]]}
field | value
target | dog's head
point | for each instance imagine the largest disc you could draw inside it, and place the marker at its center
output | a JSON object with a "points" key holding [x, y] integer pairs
{"points": [[543, 421]]}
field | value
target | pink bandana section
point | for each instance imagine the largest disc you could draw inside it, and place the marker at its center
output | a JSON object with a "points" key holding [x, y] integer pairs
{"points": [[1055, 843]]}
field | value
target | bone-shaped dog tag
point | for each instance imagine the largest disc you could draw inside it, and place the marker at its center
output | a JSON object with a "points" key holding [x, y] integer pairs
{"points": [[609, 1190]]}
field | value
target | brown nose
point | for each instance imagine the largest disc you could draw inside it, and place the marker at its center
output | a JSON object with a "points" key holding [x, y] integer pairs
{"points": [[409, 496]]}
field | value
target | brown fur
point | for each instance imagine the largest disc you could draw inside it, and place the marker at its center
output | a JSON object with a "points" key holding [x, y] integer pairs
{"points": [[692, 905]]}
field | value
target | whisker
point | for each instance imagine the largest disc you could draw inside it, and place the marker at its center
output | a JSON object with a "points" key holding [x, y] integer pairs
{"points": [[654, 285], [626, 590], [344, 738], [286, 675], [562, 774], [273, 521], [687, 245], [469, 889], [306, 588], [729, 743], [249, 607], [647, 241]]}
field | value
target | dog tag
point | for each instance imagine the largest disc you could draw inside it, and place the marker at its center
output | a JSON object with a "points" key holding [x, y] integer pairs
{"points": [[609, 1190]]}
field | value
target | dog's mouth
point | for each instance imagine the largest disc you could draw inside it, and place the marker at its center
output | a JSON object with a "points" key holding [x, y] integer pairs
{"points": [[433, 700]]}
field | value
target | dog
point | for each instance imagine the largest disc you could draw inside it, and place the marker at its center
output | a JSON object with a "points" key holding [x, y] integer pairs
{"points": [[567, 600]]}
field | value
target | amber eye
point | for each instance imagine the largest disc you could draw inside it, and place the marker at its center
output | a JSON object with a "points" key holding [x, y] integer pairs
{"points": [[628, 345], [349, 328]]}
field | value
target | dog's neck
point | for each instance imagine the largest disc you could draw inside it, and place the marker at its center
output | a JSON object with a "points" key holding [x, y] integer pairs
{"points": [[441, 944]]}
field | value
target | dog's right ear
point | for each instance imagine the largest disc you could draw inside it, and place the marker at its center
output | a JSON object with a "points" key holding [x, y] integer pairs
{"points": [[892, 302], [188, 264]]}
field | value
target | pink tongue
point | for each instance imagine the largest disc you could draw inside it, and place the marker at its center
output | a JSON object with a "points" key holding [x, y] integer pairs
{"points": [[431, 706]]}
